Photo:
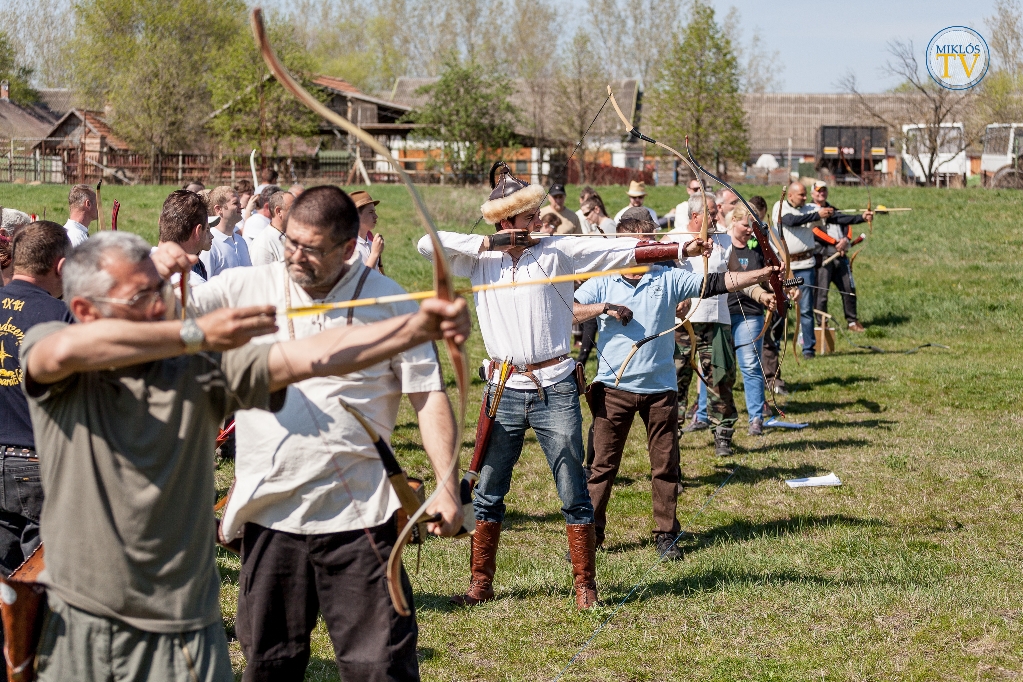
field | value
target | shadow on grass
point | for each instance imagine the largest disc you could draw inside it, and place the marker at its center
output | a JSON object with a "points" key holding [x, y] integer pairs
{"points": [[844, 382], [796, 406], [808, 443], [864, 423], [514, 518], [888, 320]]}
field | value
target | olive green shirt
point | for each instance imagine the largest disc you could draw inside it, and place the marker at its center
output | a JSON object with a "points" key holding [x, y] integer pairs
{"points": [[126, 458]]}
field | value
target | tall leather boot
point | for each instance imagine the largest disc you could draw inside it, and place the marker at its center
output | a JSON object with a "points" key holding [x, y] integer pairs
{"points": [[723, 442], [582, 547], [482, 563]]}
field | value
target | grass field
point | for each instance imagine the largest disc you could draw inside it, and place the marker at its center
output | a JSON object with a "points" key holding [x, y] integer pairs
{"points": [[909, 571]]}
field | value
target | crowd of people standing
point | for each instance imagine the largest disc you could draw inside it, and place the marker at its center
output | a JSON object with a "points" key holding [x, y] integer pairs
{"points": [[120, 362]]}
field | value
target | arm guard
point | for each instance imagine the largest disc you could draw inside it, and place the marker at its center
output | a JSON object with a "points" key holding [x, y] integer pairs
{"points": [[656, 252]]}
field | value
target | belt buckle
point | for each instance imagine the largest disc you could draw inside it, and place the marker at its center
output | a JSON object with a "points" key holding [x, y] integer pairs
{"points": [[521, 369]]}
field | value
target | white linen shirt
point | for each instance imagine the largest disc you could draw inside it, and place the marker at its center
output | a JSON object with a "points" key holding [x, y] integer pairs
{"points": [[534, 323], [800, 238], [268, 247], [76, 232], [311, 468], [715, 308], [254, 226], [225, 252]]}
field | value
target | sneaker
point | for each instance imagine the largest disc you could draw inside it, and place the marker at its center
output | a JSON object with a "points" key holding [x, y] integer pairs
{"points": [[756, 427], [809, 356], [696, 425], [856, 327], [780, 389], [667, 548]]}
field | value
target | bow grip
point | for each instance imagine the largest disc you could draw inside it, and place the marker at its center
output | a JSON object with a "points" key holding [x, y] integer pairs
{"points": [[635, 131]]}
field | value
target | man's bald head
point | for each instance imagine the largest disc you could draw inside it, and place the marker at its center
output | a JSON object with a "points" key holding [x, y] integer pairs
{"points": [[797, 194]]}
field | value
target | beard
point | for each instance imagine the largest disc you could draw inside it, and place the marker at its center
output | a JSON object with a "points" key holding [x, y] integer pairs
{"points": [[309, 277]]}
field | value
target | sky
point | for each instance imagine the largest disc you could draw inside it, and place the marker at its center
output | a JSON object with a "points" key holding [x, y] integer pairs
{"points": [[820, 42]]}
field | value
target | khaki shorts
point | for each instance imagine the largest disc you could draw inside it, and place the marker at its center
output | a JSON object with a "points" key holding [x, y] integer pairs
{"points": [[76, 645]]}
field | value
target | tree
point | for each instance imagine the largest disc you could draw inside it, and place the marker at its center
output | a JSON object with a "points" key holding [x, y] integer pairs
{"points": [[759, 71], [628, 34], [17, 74], [527, 51], [924, 103], [252, 109], [582, 82], [469, 112], [697, 92], [1000, 98], [148, 60], [41, 30]]}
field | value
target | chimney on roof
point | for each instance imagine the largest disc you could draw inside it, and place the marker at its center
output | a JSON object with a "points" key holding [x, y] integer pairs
{"points": [[5, 91]]}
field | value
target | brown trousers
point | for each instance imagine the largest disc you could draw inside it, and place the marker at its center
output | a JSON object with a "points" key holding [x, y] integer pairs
{"points": [[613, 413]]}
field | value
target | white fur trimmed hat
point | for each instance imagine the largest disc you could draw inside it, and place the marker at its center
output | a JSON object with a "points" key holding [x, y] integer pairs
{"points": [[510, 196]]}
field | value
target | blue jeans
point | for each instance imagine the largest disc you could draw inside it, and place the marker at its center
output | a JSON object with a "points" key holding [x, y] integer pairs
{"points": [[807, 299], [557, 422], [744, 330], [701, 403]]}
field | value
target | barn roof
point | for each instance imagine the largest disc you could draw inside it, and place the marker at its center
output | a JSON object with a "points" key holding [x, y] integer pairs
{"points": [[773, 118], [70, 125], [24, 121], [534, 103]]}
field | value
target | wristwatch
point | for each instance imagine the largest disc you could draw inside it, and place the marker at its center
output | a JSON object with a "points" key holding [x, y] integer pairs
{"points": [[192, 336]]}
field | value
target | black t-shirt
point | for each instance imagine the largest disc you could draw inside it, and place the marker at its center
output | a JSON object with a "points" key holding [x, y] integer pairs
{"points": [[738, 302], [22, 306]]}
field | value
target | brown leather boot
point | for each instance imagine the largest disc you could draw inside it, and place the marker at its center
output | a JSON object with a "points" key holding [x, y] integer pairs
{"points": [[582, 547], [483, 563]]}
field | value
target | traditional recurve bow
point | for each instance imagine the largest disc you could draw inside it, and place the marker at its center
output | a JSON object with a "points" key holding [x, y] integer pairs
{"points": [[760, 228], [783, 249], [442, 284], [870, 222], [99, 205], [706, 260]]}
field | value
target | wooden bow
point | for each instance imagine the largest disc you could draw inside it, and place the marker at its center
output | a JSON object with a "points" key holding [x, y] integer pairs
{"points": [[761, 227], [442, 279], [703, 236], [870, 222]]}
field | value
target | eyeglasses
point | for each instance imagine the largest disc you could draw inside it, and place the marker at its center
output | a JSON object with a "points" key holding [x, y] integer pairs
{"points": [[318, 254], [144, 299]]}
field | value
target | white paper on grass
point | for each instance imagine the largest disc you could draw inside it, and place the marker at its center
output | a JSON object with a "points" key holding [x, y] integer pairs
{"points": [[814, 481]]}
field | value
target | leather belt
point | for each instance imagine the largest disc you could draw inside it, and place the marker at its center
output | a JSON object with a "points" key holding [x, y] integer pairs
{"points": [[802, 255], [527, 369], [17, 451]]}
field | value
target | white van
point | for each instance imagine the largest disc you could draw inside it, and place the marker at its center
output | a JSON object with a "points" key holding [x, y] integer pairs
{"points": [[951, 155]]}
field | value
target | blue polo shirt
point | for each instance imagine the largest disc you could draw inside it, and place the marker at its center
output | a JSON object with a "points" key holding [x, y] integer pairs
{"points": [[652, 301]]}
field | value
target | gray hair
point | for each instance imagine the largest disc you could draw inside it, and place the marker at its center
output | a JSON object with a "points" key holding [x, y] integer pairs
{"points": [[83, 273], [11, 218], [696, 202]]}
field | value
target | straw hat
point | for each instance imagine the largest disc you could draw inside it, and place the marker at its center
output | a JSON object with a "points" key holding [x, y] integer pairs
{"points": [[636, 189], [362, 198]]}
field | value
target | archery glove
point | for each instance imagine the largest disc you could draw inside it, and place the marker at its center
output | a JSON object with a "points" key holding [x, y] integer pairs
{"points": [[625, 314]]}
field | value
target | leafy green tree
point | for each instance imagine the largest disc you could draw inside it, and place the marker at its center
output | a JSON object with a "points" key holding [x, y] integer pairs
{"points": [[696, 92], [250, 108], [149, 60], [15, 72], [470, 113]]}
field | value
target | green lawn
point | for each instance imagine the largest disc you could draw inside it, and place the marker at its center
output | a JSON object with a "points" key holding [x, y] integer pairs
{"points": [[909, 571]]}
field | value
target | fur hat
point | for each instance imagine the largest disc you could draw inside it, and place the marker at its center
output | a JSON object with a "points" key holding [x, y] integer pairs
{"points": [[510, 196]]}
